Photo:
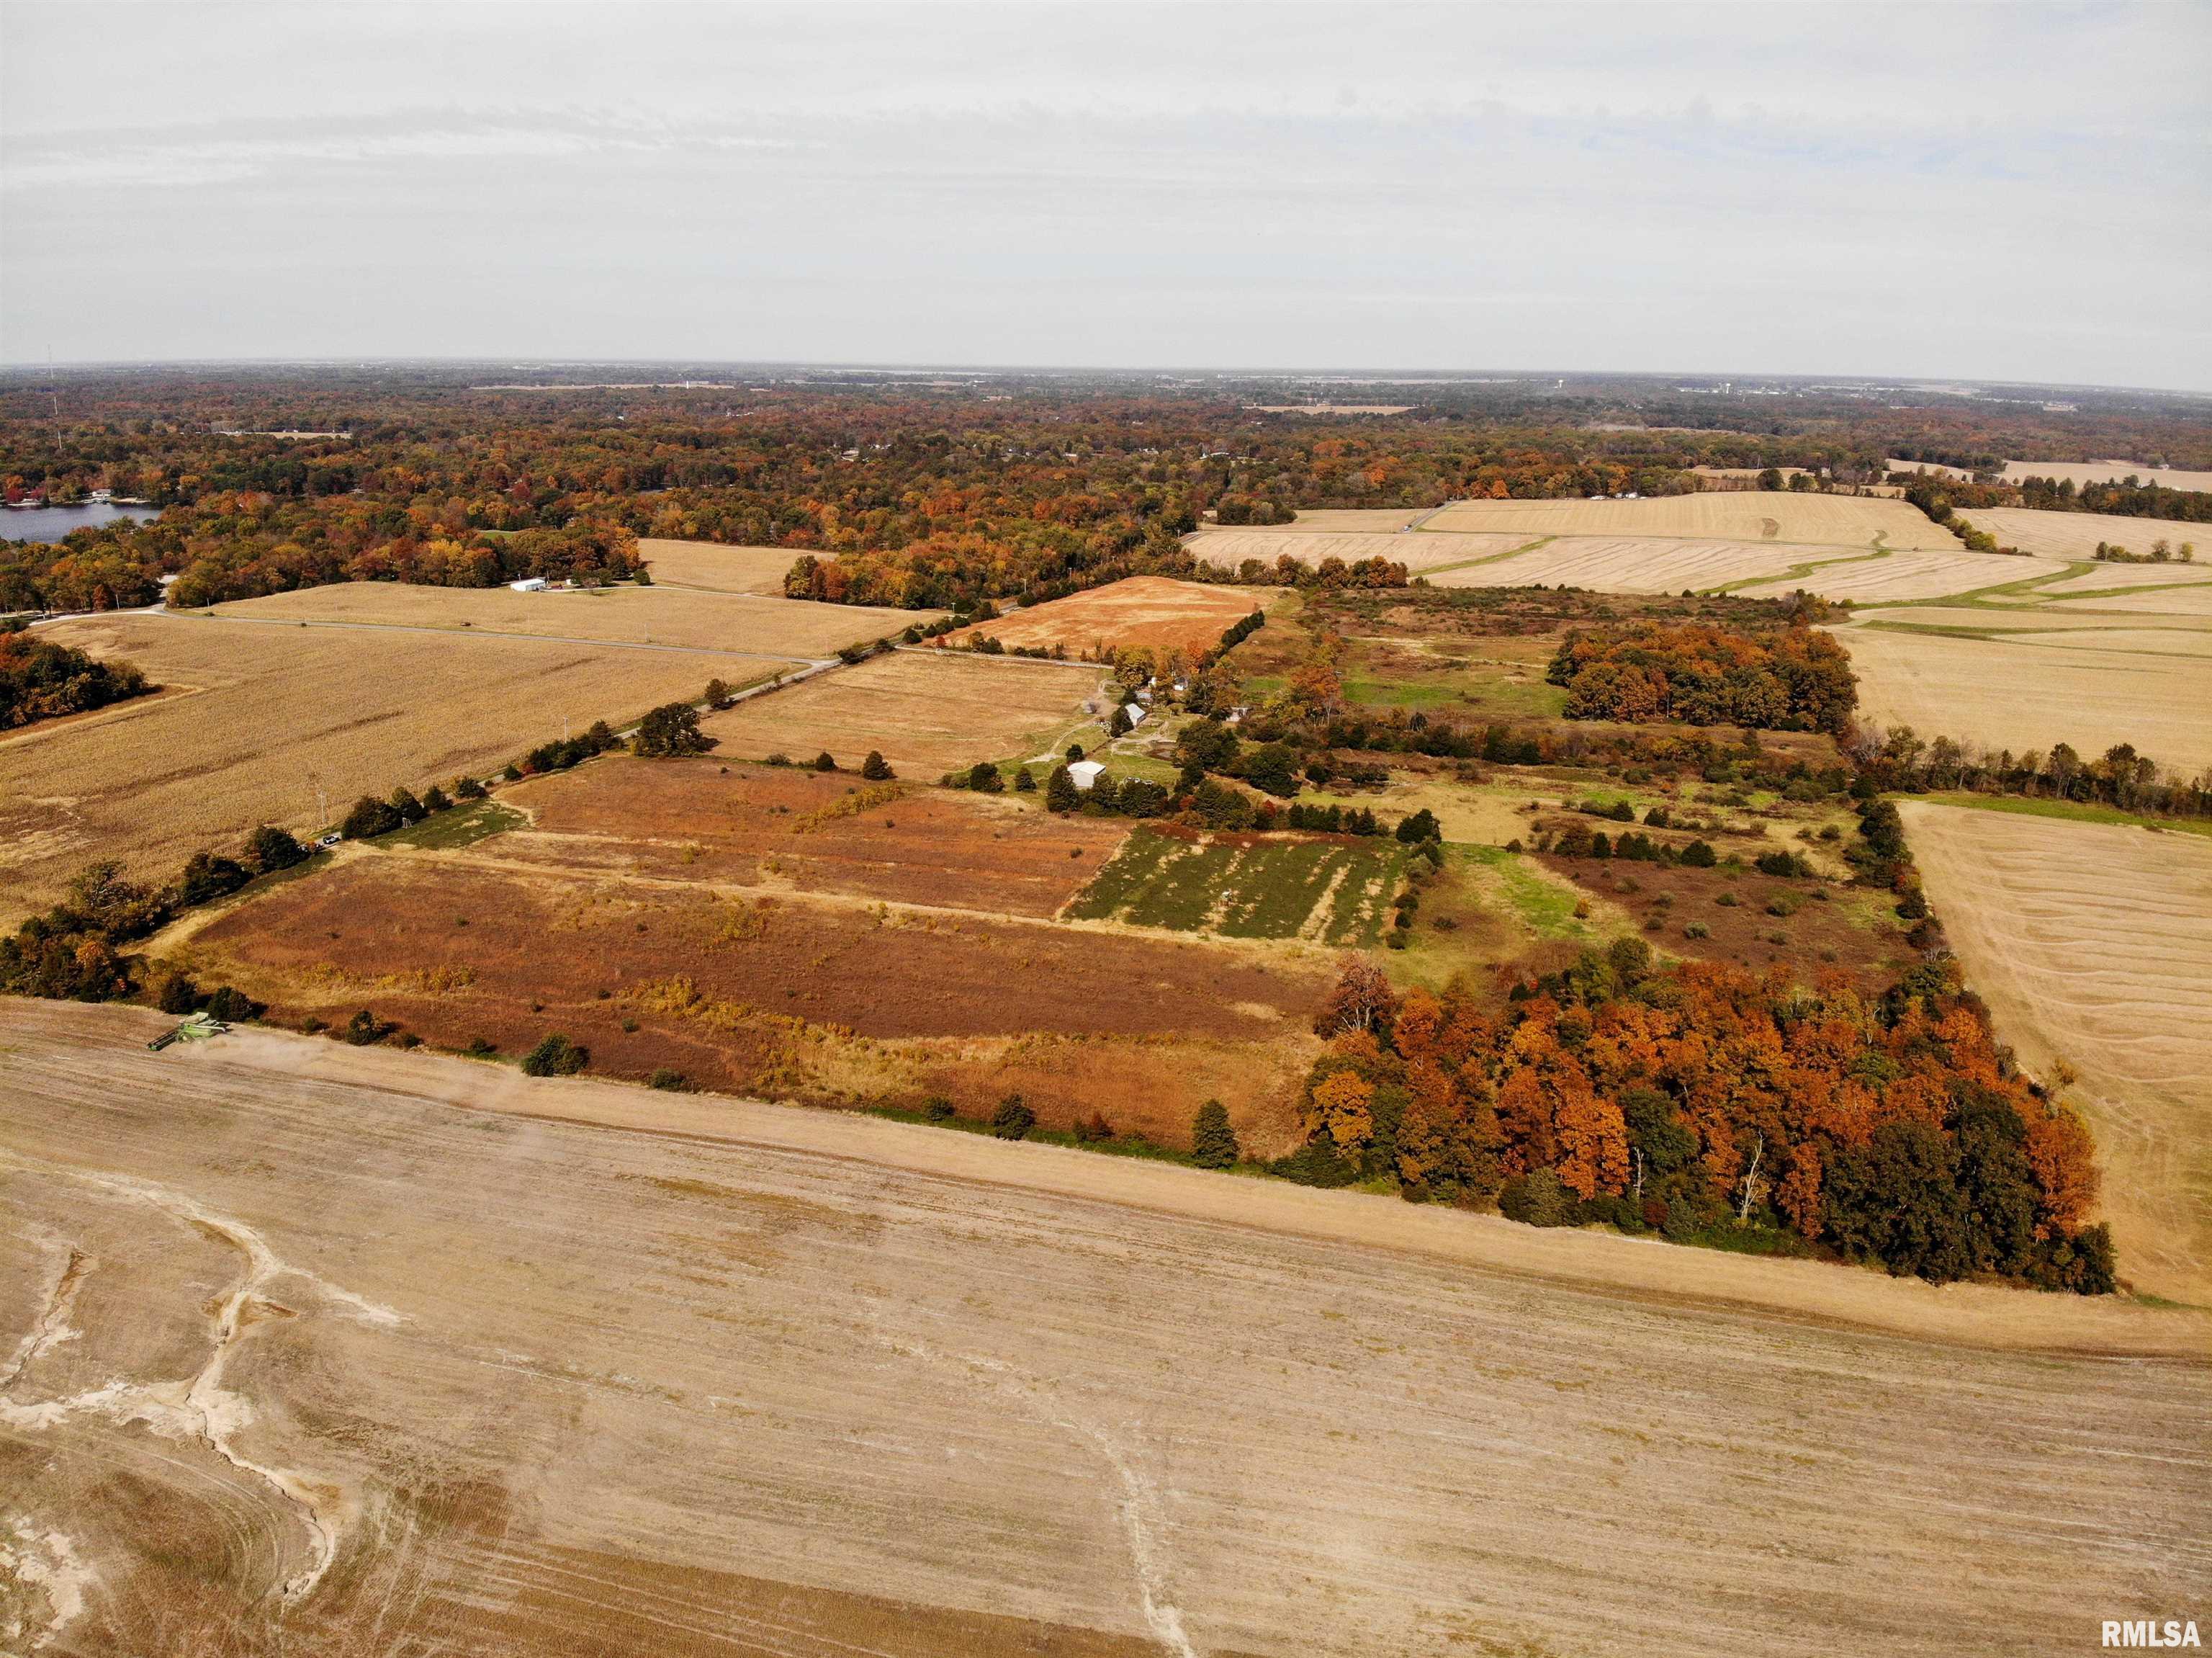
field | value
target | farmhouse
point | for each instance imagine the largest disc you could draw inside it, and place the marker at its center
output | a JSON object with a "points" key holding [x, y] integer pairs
{"points": [[1084, 773]]}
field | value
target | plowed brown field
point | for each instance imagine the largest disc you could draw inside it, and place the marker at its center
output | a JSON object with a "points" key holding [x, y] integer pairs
{"points": [[318, 1361]]}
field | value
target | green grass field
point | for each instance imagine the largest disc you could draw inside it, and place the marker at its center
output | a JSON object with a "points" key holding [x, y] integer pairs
{"points": [[1332, 893], [464, 826]]}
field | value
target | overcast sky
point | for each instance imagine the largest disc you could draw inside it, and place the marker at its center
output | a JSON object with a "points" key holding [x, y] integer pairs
{"points": [[2018, 192]]}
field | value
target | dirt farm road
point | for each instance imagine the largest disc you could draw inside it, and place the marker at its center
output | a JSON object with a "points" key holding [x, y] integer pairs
{"points": [[329, 1351]]}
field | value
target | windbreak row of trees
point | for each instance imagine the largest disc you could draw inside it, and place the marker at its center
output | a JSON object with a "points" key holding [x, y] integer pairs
{"points": [[1899, 758]]}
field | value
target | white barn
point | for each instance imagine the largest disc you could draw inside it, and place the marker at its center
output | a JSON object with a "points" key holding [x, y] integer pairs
{"points": [[1084, 773]]}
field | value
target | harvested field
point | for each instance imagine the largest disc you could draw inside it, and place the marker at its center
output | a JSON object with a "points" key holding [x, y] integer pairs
{"points": [[503, 1381], [1353, 520], [792, 831], [719, 566], [926, 713], [1645, 564], [832, 1001], [1715, 516], [2195, 599], [780, 628], [2090, 944], [1152, 612], [1419, 552], [2075, 535], [2109, 577], [2092, 689], [1906, 577], [1331, 408], [2107, 472], [1333, 891], [276, 712]]}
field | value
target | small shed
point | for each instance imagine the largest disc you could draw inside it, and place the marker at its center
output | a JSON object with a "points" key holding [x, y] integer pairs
{"points": [[1084, 773]]}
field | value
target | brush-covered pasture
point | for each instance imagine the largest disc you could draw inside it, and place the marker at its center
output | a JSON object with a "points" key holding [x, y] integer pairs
{"points": [[828, 999], [710, 822], [1330, 890], [926, 711]]}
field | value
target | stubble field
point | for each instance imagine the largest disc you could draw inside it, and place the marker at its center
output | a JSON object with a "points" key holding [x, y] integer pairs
{"points": [[2106, 471], [719, 566], [1152, 612], [1419, 552], [1715, 516], [781, 628], [926, 711], [312, 1350], [1641, 564], [2088, 942], [2091, 688], [275, 712], [2075, 535]]}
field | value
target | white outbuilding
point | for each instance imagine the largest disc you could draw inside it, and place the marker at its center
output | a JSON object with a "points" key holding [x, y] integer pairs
{"points": [[1084, 773], [529, 584]]}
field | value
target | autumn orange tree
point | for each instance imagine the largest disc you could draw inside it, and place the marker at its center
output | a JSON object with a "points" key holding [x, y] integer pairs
{"points": [[1700, 1096]]}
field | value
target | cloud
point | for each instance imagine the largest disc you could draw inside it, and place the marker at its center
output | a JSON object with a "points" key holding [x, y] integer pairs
{"points": [[1954, 191]]}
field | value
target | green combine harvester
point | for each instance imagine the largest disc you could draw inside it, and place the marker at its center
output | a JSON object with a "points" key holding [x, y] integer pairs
{"points": [[197, 1028]]}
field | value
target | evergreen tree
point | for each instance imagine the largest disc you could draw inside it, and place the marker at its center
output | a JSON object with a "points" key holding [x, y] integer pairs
{"points": [[1213, 1141]]}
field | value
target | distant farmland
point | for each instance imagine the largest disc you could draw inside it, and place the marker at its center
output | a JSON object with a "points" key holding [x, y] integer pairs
{"points": [[1150, 612], [275, 713], [1419, 552], [924, 712], [629, 615], [717, 565], [2075, 535], [1720, 515]]}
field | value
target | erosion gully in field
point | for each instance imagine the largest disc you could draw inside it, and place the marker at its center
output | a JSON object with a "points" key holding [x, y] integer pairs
{"points": [[491, 1382]]}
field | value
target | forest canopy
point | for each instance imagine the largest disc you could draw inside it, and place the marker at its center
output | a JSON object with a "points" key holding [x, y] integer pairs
{"points": [[1794, 679]]}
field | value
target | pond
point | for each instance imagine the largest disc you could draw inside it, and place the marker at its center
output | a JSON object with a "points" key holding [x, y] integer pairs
{"points": [[52, 523]]}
